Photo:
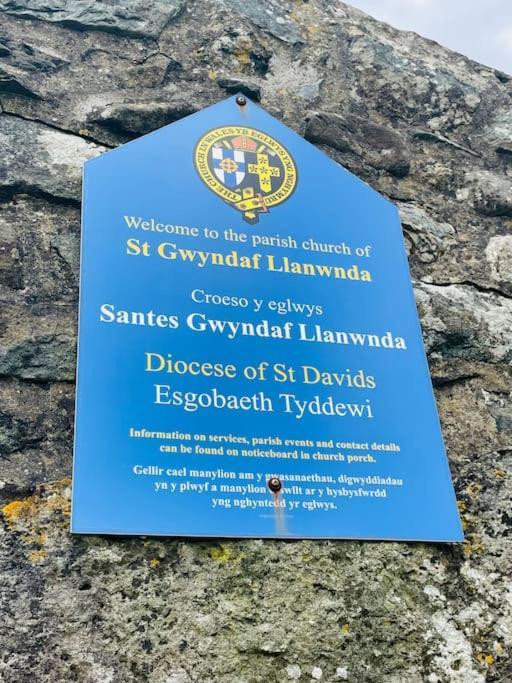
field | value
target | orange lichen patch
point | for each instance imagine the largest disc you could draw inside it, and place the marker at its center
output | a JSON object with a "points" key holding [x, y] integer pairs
{"points": [[473, 545], [485, 660], [473, 489], [29, 516], [42, 537], [468, 520], [38, 555], [59, 503], [242, 51], [17, 511], [243, 56]]}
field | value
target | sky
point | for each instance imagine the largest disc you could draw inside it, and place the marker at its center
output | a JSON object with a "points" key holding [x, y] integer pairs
{"points": [[479, 29]]}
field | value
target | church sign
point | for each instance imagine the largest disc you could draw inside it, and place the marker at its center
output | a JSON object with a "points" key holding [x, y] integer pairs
{"points": [[250, 358]]}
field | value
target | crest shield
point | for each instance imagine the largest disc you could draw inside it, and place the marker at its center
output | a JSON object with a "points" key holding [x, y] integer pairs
{"points": [[228, 165]]}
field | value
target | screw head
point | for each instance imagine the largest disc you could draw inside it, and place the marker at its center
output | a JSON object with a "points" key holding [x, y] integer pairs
{"points": [[241, 100], [275, 484]]}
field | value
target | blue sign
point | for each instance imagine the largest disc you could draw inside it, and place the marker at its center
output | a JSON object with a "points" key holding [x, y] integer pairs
{"points": [[250, 358]]}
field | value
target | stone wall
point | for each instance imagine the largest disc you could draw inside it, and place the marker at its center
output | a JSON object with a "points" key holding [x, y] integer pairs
{"points": [[428, 128]]}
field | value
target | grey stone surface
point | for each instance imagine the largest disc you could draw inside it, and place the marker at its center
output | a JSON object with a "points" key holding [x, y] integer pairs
{"points": [[39, 160], [38, 340], [29, 58], [11, 82], [428, 128], [234, 85], [129, 17], [460, 322], [425, 237], [270, 16], [129, 120], [383, 147], [491, 193]]}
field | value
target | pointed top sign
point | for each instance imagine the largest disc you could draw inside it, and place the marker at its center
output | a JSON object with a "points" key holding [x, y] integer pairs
{"points": [[250, 357]]}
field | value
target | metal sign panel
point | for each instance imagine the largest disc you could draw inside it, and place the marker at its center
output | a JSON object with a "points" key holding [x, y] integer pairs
{"points": [[250, 357]]}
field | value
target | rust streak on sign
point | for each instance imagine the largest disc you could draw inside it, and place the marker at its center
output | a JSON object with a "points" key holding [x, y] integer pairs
{"points": [[275, 485]]}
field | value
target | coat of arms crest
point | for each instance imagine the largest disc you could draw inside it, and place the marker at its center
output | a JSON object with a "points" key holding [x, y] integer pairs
{"points": [[247, 168]]}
